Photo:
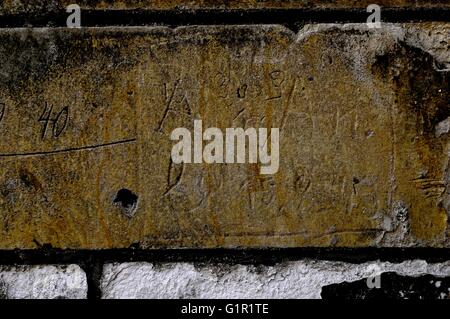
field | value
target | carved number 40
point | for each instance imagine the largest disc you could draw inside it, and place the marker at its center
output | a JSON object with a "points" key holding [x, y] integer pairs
{"points": [[58, 123]]}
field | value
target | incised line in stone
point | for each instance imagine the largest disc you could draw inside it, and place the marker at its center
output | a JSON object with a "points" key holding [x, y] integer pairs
{"points": [[69, 150]]}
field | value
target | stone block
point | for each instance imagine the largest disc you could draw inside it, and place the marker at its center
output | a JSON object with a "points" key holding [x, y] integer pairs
{"points": [[86, 117]]}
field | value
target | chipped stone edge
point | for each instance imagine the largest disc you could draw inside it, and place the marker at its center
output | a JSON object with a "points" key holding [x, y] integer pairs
{"points": [[411, 33], [43, 282], [300, 279]]}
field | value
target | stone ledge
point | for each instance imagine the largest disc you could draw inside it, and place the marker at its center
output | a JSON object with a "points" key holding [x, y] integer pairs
{"points": [[39, 6], [42, 282], [294, 280]]}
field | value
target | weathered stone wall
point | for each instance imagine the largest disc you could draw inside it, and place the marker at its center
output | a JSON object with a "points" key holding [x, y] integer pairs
{"points": [[363, 154], [22, 6], [42, 282], [85, 121], [304, 279]]}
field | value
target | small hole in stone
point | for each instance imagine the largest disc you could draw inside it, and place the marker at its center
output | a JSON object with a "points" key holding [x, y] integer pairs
{"points": [[127, 201]]}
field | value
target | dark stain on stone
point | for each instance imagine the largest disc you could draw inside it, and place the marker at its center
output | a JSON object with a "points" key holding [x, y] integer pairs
{"points": [[4, 191], [29, 179], [30, 56], [423, 100], [392, 286], [218, 270], [421, 89], [3, 291]]}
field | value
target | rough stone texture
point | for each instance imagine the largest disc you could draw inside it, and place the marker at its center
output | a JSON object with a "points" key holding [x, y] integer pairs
{"points": [[86, 115], [29, 6], [434, 39], [42, 282], [303, 279]]}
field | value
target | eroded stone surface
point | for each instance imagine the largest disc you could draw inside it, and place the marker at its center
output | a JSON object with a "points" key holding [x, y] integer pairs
{"points": [[303, 279], [433, 38], [42, 282], [86, 114]]}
